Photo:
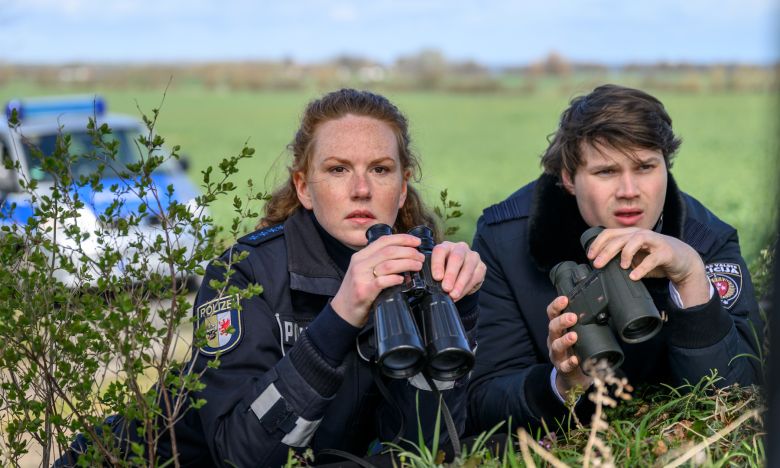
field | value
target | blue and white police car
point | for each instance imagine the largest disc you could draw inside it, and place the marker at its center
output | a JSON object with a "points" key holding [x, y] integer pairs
{"points": [[40, 122]]}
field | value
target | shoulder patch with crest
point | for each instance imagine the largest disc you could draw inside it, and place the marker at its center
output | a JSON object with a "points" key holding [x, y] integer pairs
{"points": [[221, 319], [727, 280]]}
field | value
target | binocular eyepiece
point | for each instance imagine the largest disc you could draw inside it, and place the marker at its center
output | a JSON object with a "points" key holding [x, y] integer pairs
{"points": [[607, 303], [440, 346]]}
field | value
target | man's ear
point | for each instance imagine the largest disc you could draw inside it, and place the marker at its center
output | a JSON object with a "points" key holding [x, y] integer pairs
{"points": [[567, 181], [302, 189]]}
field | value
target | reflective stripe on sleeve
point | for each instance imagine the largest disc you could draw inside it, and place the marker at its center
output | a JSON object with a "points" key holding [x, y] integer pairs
{"points": [[272, 401], [266, 401], [302, 434]]}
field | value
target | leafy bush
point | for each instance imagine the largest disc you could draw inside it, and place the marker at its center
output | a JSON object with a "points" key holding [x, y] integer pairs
{"points": [[103, 342]]}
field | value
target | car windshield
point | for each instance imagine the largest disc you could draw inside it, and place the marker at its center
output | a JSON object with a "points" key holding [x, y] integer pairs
{"points": [[81, 144]]}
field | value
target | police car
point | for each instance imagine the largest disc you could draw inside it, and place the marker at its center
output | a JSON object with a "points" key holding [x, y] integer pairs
{"points": [[40, 122]]}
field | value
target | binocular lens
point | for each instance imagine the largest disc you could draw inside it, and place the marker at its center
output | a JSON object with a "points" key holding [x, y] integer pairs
{"points": [[450, 365], [613, 358], [402, 362], [642, 327]]}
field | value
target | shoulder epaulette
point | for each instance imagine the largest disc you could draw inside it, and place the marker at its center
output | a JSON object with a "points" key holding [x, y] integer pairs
{"points": [[510, 208], [262, 235]]}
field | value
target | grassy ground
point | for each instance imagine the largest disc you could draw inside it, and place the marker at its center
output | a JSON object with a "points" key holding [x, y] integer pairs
{"points": [[480, 147]]}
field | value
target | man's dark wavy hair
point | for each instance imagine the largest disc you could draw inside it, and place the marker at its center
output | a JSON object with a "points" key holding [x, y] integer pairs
{"points": [[614, 116]]}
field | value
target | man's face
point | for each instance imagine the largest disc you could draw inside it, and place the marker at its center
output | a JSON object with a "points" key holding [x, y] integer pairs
{"points": [[355, 180], [615, 190]]}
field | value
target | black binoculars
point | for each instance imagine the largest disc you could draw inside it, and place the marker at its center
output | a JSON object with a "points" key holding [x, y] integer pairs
{"points": [[607, 303], [419, 303]]}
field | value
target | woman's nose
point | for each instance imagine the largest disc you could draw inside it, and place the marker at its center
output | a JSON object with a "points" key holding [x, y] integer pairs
{"points": [[361, 188]]}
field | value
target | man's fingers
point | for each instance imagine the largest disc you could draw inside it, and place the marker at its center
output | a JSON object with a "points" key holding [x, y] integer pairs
{"points": [[608, 250], [569, 365], [560, 325], [556, 307], [561, 346]]}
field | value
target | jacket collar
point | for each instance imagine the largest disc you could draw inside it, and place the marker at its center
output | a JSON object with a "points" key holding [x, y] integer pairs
{"points": [[311, 268], [555, 223]]}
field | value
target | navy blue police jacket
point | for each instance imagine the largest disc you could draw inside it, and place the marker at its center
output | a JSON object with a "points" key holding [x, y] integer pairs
{"points": [[273, 389], [523, 237]]}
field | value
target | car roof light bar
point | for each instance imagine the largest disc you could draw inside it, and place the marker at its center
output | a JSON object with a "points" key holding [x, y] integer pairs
{"points": [[55, 106]]}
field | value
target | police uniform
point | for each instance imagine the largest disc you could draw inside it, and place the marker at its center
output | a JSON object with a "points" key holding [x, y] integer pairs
{"points": [[523, 237], [276, 387]]}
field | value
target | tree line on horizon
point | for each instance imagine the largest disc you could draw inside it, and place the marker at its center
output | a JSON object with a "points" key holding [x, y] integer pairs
{"points": [[427, 70]]}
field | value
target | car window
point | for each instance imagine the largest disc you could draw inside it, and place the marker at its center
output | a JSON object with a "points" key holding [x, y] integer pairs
{"points": [[88, 155]]}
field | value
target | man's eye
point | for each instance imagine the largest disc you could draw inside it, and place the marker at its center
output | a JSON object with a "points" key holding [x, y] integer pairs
{"points": [[337, 170], [605, 172], [381, 169], [646, 167]]}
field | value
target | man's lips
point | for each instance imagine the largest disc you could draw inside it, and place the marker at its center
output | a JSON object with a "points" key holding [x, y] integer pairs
{"points": [[628, 217]]}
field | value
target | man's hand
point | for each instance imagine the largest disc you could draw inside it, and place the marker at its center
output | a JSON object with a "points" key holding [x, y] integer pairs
{"points": [[559, 345], [654, 255]]}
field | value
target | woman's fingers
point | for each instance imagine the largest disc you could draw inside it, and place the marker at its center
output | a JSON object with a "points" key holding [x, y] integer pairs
{"points": [[460, 269]]}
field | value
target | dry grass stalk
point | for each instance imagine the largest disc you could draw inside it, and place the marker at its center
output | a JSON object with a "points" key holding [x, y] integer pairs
{"points": [[603, 376], [693, 451], [527, 441]]}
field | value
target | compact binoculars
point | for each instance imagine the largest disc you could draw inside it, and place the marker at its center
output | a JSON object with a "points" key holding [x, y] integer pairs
{"points": [[440, 346], [607, 303]]}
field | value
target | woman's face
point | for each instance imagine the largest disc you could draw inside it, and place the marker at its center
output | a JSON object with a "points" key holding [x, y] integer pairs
{"points": [[355, 178]]}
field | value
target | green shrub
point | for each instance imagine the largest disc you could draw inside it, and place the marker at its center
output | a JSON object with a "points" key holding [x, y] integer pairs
{"points": [[105, 342]]}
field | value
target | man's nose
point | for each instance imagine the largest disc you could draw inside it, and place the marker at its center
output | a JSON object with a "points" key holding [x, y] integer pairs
{"points": [[628, 186], [361, 186]]}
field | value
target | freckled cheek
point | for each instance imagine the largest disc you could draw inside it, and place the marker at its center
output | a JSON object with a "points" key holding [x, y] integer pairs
{"points": [[334, 190]]}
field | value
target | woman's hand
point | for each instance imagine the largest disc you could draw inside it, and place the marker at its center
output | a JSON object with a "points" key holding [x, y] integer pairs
{"points": [[654, 255], [459, 269], [378, 266]]}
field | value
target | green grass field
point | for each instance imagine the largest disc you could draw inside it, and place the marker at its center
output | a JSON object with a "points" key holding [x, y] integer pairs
{"points": [[480, 147]]}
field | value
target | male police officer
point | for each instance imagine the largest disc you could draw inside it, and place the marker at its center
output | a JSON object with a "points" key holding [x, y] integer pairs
{"points": [[607, 165]]}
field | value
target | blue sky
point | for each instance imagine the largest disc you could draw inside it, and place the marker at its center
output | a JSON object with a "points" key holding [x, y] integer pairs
{"points": [[491, 32]]}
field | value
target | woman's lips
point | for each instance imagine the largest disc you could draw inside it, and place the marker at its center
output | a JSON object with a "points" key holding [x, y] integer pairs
{"points": [[361, 217]]}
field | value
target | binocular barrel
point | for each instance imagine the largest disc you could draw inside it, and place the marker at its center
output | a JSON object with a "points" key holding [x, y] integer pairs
{"points": [[632, 311], [400, 352], [399, 349], [446, 354], [449, 356], [588, 299], [607, 302]]}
